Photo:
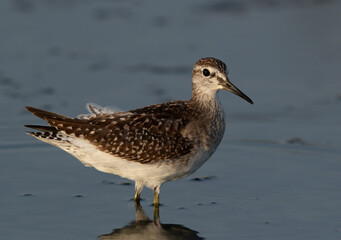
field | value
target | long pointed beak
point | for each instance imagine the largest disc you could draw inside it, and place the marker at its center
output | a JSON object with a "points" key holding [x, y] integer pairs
{"points": [[228, 86]]}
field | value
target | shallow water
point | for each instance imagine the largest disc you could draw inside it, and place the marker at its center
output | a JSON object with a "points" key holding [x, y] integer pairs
{"points": [[276, 175]]}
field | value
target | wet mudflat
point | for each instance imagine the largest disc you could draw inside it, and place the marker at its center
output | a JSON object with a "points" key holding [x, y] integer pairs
{"points": [[276, 175]]}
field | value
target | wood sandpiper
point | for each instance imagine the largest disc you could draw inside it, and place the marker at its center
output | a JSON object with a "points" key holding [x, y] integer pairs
{"points": [[149, 145]]}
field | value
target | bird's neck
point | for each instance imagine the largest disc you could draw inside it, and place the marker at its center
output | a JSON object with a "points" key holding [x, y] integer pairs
{"points": [[210, 116], [206, 101]]}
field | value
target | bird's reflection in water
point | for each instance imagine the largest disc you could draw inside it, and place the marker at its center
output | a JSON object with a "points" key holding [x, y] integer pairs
{"points": [[144, 228]]}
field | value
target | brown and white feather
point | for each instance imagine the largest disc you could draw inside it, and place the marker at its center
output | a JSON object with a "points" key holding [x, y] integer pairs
{"points": [[142, 135]]}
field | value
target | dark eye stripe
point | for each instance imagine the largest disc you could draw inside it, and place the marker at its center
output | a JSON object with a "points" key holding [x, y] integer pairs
{"points": [[221, 80]]}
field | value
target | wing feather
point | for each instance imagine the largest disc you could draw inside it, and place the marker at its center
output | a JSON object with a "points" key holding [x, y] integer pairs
{"points": [[144, 135]]}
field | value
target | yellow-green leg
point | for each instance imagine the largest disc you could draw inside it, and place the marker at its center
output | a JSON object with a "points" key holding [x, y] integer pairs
{"points": [[137, 197], [138, 190], [156, 199], [156, 204], [156, 196]]}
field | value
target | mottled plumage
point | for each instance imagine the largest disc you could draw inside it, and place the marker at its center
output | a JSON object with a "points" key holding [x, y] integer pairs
{"points": [[150, 145], [142, 135]]}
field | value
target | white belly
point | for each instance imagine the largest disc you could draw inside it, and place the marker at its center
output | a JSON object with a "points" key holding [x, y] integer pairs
{"points": [[151, 175]]}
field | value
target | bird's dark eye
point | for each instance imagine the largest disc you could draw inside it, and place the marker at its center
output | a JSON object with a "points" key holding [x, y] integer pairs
{"points": [[206, 72]]}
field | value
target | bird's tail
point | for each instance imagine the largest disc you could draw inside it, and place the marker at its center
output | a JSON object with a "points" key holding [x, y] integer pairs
{"points": [[58, 123]]}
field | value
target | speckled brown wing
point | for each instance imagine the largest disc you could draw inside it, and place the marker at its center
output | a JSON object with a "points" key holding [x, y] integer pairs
{"points": [[143, 135]]}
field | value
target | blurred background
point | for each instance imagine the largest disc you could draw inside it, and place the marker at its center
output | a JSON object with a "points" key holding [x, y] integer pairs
{"points": [[276, 174]]}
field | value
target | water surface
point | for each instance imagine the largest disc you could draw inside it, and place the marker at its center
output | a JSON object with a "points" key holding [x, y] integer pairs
{"points": [[276, 174]]}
